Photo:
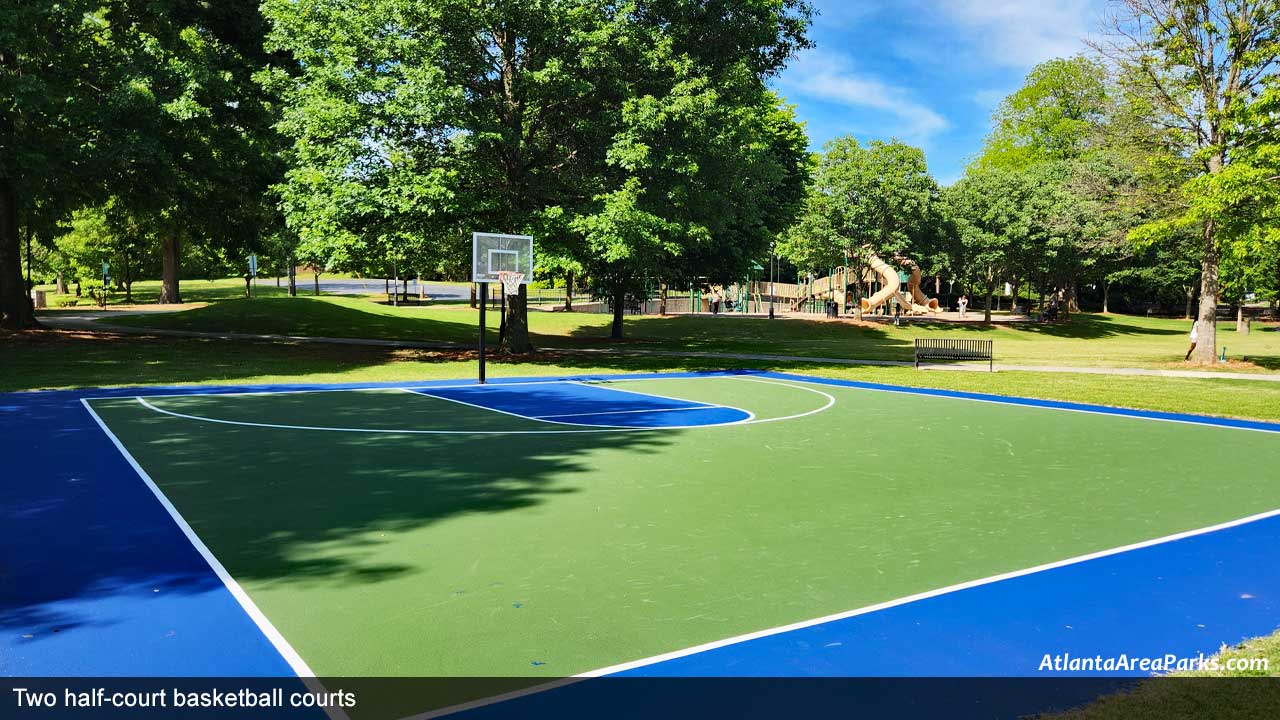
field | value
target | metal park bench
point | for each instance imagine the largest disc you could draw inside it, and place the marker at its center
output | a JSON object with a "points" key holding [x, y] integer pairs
{"points": [[947, 349]]}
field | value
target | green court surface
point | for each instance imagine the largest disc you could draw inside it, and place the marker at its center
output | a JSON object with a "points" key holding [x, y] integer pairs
{"points": [[474, 552]]}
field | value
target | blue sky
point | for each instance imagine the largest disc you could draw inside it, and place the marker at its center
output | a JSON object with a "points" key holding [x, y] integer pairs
{"points": [[928, 72]]}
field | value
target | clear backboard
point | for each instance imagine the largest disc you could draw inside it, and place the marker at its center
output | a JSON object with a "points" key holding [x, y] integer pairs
{"points": [[492, 253]]}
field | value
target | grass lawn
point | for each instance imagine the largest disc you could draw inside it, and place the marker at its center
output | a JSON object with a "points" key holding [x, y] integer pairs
{"points": [[1087, 340], [63, 359], [1189, 694]]}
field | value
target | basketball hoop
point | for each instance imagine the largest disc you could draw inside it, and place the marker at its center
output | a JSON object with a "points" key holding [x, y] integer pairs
{"points": [[511, 281]]}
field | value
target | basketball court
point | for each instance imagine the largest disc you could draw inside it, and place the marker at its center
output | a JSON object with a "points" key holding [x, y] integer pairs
{"points": [[681, 524]]}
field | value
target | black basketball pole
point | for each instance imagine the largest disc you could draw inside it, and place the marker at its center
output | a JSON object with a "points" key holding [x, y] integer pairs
{"points": [[484, 300]]}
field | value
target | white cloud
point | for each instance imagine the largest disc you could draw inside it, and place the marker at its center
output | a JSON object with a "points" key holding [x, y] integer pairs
{"points": [[828, 76], [1017, 33]]}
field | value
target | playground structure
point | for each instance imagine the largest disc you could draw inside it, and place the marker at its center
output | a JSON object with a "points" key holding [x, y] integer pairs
{"points": [[809, 295], [917, 303]]}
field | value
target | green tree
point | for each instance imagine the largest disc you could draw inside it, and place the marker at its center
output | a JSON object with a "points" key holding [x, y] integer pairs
{"points": [[557, 118], [1054, 116], [878, 197], [150, 103], [991, 210], [197, 148], [1200, 68], [57, 69]]}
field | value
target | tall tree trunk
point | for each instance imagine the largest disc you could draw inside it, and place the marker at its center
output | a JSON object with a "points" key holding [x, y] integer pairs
{"points": [[568, 292], [1016, 288], [15, 304], [619, 310], [662, 299], [62, 283], [473, 294], [1207, 318], [170, 255], [1191, 296], [1106, 296], [293, 278], [986, 310], [1242, 327], [316, 276], [516, 338]]}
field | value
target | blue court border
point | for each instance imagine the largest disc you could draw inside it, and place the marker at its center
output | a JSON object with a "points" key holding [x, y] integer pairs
{"points": [[98, 580]]}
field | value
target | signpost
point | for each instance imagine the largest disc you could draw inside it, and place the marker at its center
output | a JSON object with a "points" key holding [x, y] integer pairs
{"points": [[253, 272]]}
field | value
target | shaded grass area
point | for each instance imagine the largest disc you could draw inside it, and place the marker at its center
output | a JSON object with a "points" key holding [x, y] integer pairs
{"points": [[1086, 340], [1232, 694], [64, 359]]}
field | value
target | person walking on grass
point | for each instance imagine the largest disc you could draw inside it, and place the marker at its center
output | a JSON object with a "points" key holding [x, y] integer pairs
{"points": [[1194, 336]]}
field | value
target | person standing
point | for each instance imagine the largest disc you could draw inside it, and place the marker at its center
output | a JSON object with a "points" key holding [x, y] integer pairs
{"points": [[963, 303], [1194, 337]]}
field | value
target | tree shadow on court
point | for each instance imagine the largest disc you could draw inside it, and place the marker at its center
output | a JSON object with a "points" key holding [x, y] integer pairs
{"points": [[301, 507], [81, 528], [70, 533]]}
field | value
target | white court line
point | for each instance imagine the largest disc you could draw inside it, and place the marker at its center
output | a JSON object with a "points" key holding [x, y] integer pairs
{"points": [[589, 380], [925, 595], [624, 412], [392, 431], [290, 655], [1122, 412], [751, 419], [622, 667], [586, 428], [1013, 400], [273, 635], [251, 393], [749, 415], [830, 399]]}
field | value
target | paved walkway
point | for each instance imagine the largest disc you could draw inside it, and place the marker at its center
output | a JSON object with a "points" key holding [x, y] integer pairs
{"points": [[86, 320]]}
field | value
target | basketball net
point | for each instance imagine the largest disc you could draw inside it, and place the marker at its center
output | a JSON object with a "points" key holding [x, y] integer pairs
{"points": [[511, 281]]}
